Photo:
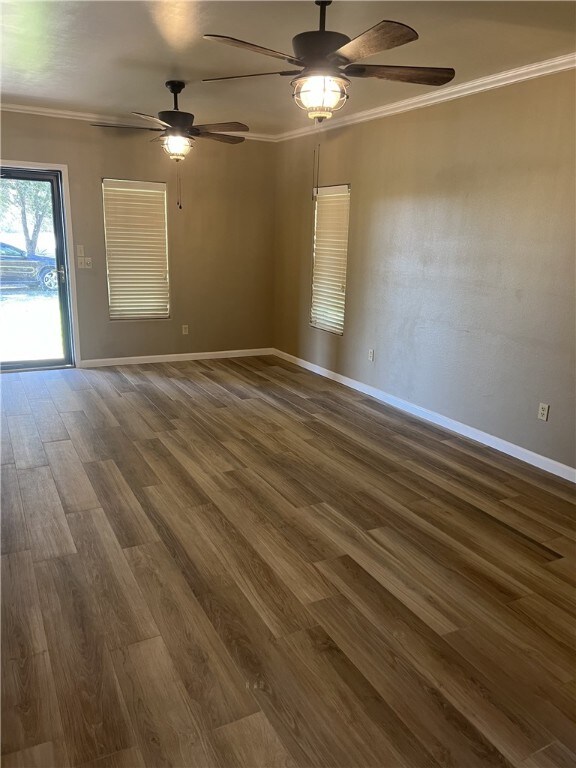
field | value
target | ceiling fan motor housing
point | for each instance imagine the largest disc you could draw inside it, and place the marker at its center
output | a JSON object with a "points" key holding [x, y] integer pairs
{"points": [[181, 121], [315, 47]]}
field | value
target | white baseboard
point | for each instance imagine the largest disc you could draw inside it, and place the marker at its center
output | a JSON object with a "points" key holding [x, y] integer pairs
{"points": [[535, 459], [106, 361]]}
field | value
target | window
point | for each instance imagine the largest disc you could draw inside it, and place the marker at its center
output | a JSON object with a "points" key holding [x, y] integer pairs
{"points": [[11, 252], [136, 249], [331, 213]]}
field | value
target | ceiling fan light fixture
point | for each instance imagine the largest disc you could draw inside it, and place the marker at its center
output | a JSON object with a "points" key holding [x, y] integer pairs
{"points": [[176, 146], [320, 95]]}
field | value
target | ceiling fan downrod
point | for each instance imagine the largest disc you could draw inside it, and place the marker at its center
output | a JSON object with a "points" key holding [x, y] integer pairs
{"points": [[323, 5], [175, 87]]}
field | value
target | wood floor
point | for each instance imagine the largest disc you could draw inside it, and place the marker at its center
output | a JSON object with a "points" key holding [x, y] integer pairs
{"points": [[240, 564]]}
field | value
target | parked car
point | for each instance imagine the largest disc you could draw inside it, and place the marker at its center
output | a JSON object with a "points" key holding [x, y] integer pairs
{"points": [[17, 268]]}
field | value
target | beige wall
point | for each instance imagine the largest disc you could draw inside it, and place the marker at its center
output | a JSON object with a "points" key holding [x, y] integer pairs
{"points": [[461, 259], [219, 244]]}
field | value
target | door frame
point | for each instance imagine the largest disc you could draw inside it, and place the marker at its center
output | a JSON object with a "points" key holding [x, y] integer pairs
{"points": [[69, 251]]}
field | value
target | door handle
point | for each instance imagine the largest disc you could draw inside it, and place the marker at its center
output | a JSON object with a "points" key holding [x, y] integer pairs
{"points": [[62, 273]]}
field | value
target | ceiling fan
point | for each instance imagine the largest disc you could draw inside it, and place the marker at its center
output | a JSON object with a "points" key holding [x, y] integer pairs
{"points": [[178, 130], [328, 60]]}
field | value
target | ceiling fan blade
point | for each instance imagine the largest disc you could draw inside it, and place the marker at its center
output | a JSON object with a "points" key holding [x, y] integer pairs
{"points": [[221, 137], [292, 72], [421, 75], [381, 37], [154, 119], [251, 47], [132, 127], [207, 127]]}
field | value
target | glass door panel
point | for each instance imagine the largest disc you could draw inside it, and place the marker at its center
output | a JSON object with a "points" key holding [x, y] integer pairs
{"points": [[34, 306]]}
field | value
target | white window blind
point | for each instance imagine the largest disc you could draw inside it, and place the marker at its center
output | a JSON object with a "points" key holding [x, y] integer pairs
{"points": [[332, 208], [136, 249]]}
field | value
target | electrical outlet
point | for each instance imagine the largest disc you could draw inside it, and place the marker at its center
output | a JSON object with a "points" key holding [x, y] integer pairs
{"points": [[543, 411], [371, 355], [184, 330]]}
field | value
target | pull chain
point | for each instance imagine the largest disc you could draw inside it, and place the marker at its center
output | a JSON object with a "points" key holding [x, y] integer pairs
{"points": [[178, 187], [316, 170]]}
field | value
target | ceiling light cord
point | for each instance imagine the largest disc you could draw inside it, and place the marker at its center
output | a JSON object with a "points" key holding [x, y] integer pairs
{"points": [[178, 187], [316, 170]]}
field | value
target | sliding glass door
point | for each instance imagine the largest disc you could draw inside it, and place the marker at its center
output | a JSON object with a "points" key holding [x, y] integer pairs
{"points": [[34, 302]]}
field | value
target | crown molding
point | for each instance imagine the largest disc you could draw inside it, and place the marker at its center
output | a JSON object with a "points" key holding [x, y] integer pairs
{"points": [[498, 80], [92, 117]]}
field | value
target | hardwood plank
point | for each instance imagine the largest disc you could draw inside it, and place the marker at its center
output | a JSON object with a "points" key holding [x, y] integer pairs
{"points": [[438, 577], [48, 421], [14, 401], [132, 423], [45, 518], [169, 729], [553, 756], [129, 522], [135, 470], [14, 533], [563, 546], [71, 480], [39, 756], [536, 478], [346, 694], [93, 716], [386, 569], [63, 397], [548, 618], [96, 410], [521, 563], [148, 411], [424, 698], [194, 554], [170, 472], [565, 568], [251, 743], [34, 385], [127, 758], [22, 628], [75, 378], [6, 452], [26, 443], [85, 439], [279, 610], [272, 472], [291, 569], [519, 682], [291, 521], [209, 675], [559, 517], [435, 543], [30, 713], [126, 616]]}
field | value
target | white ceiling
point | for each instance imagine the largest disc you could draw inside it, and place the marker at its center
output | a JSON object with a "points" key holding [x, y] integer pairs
{"points": [[110, 57]]}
